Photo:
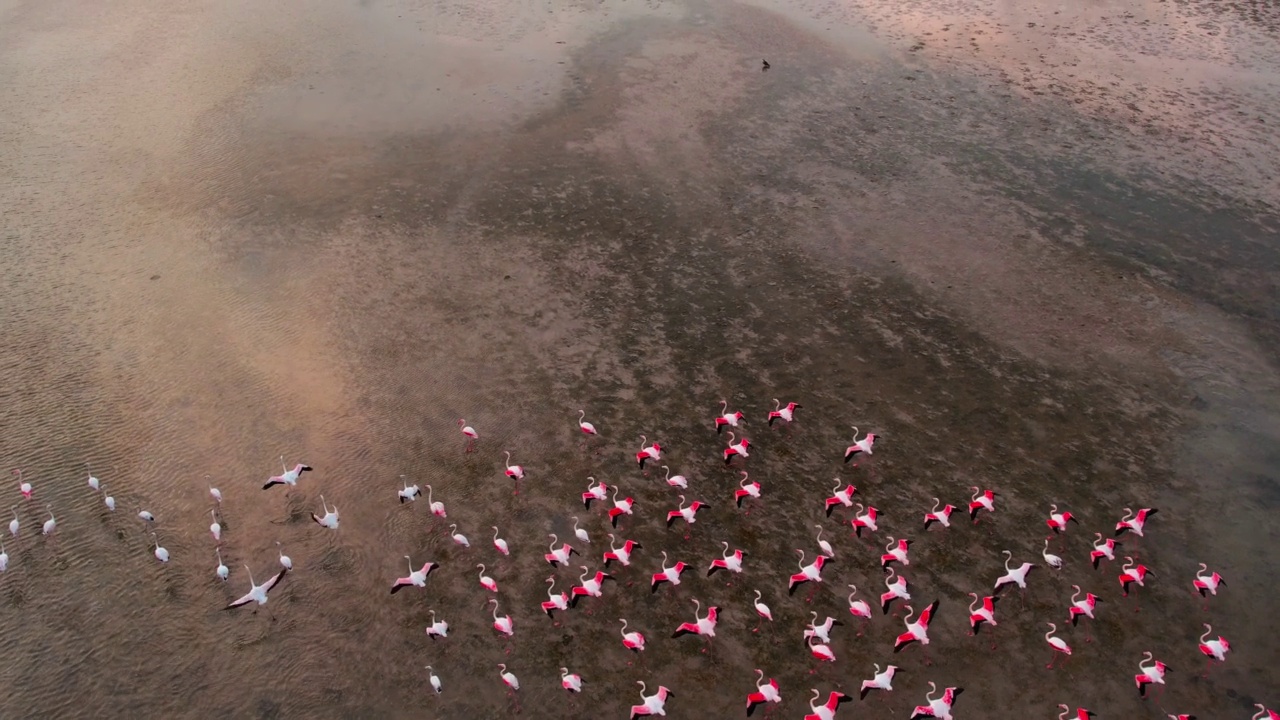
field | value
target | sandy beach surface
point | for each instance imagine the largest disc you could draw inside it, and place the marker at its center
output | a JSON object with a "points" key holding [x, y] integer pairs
{"points": [[1033, 246]]}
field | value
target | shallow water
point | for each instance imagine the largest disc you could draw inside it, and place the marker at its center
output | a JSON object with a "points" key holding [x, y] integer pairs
{"points": [[234, 232]]}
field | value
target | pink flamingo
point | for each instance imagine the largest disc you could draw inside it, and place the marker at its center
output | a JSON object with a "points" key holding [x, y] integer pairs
{"points": [[736, 447], [985, 614], [917, 631], [1060, 646], [897, 590], [23, 486], [648, 452], [942, 517], [667, 574], [1213, 649], [864, 520], [417, 578], [859, 446], [470, 433], [1102, 549], [633, 641], [1082, 607], [679, 481], [620, 507], [1152, 674], [895, 551], [727, 418], [827, 710], [560, 556], [501, 623], [704, 626], [1129, 574], [620, 554], [840, 497], [1057, 521], [746, 490], [766, 692], [982, 500], [783, 413], [1207, 585], [595, 491], [808, 573], [555, 601]]}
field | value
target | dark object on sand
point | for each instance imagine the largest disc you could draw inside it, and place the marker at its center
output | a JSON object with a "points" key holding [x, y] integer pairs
{"points": [[765, 66]]}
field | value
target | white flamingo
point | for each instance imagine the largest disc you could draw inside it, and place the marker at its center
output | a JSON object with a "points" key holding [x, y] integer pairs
{"points": [[223, 571], [437, 507]]}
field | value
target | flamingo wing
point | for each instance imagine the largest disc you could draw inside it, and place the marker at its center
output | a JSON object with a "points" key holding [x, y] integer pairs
{"points": [[834, 700], [248, 598], [685, 629], [400, 582], [903, 640], [273, 480], [1142, 681], [928, 613], [274, 579], [922, 711]]}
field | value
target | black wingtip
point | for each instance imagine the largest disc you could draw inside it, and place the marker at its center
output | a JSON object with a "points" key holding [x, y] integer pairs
{"points": [[771, 421], [395, 589]]}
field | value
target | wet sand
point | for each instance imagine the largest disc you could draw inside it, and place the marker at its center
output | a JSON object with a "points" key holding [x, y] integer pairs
{"points": [[1035, 251]]}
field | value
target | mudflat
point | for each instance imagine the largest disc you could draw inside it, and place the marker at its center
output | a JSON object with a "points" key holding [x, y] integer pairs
{"points": [[1033, 247]]}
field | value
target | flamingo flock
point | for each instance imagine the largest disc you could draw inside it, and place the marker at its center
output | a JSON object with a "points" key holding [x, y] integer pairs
{"points": [[763, 691]]}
